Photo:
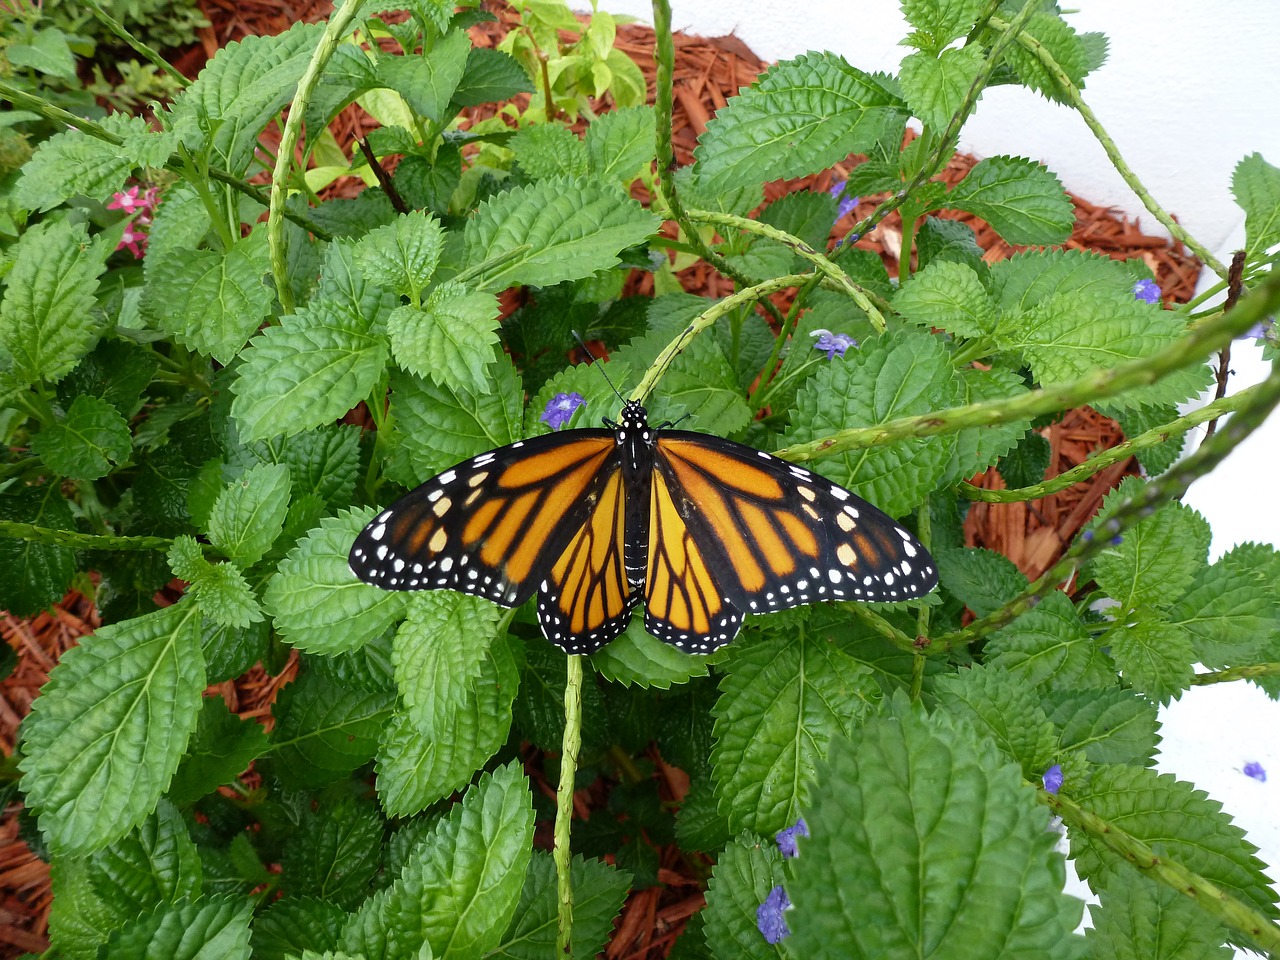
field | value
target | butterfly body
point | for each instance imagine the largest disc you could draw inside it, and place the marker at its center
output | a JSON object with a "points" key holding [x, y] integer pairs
{"points": [[698, 528]]}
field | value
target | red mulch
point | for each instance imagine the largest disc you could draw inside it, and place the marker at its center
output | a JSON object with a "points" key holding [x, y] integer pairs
{"points": [[708, 72]]}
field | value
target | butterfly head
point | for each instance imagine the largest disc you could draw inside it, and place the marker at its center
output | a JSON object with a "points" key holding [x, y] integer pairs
{"points": [[635, 419]]}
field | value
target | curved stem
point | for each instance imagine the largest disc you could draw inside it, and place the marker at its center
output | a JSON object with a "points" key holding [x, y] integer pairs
{"points": [[138, 46], [564, 801], [1249, 672]]}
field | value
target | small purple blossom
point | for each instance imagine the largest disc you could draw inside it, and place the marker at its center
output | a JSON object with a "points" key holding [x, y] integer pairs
{"points": [[1116, 540], [1148, 291], [847, 203], [787, 838], [560, 409], [1258, 330], [834, 344], [769, 916], [1254, 769], [1052, 779]]}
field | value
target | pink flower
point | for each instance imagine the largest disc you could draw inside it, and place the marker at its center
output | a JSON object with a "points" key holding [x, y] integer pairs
{"points": [[134, 240], [131, 202]]}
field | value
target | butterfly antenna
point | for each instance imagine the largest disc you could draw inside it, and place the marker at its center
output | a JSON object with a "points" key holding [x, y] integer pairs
{"points": [[599, 366]]}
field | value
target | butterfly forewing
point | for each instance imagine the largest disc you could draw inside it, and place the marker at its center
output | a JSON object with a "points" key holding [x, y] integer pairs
{"points": [[776, 535]]}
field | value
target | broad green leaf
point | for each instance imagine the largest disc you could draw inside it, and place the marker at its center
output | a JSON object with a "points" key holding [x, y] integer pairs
{"points": [[1154, 460], [186, 930], [316, 601], [1145, 919], [85, 443], [429, 753], [324, 461], [325, 730], [48, 52], [1052, 34], [620, 143], [949, 296], [598, 893], [1255, 185], [1026, 463], [451, 339], [903, 373], [1003, 708], [744, 874], [640, 659], [1050, 646], [781, 703], [249, 514], [1187, 826], [46, 318], [106, 734], [222, 747], [1153, 655], [935, 87], [1110, 725], [490, 76], [335, 852], [290, 924], [1020, 199], [572, 229], [951, 241], [79, 919], [549, 150], [427, 82], [402, 255], [1231, 612], [699, 824], [937, 24], [898, 832], [982, 579], [117, 371], [153, 863], [1156, 559], [349, 73], [799, 117], [224, 596], [977, 448], [461, 885], [440, 650]]}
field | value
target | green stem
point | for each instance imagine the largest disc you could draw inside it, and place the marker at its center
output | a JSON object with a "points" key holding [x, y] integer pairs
{"points": [[79, 541], [564, 800], [880, 625], [1250, 672], [1071, 94], [1105, 458], [120, 31], [1209, 896], [334, 31]]}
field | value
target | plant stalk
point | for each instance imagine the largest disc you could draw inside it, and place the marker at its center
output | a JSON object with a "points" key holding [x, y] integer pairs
{"points": [[562, 855]]}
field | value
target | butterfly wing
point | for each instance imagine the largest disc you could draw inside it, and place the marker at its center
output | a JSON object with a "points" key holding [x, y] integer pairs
{"points": [[775, 535], [495, 525]]}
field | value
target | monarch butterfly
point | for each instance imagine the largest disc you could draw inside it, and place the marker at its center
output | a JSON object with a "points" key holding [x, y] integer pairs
{"points": [[702, 528]]}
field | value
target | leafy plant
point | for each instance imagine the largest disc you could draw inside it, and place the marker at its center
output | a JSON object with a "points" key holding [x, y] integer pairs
{"points": [[190, 420]]}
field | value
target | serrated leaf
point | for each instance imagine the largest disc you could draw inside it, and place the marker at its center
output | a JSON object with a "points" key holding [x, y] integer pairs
{"points": [[1110, 725], [781, 703], [1255, 184], [427, 82], [451, 339], [982, 579], [744, 874], [222, 746], [490, 76], [620, 142], [1026, 463], [403, 254], [897, 832], [87, 442], [949, 296], [224, 596], [36, 574], [324, 730], [79, 920], [952, 241], [106, 734], [598, 893], [935, 87], [249, 514], [940, 23], [699, 824], [186, 930], [636, 658], [1153, 654], [1187, 826], [1050, 646], [428, 754], [153, 863], [1029, 277], [1144, 919], [335, 852], [117, 371], [1231, 611], [289, 924], [573, 228], [461, 885], [1056, 37], [316, 601], [977, 448], [349, 73], [1006, 709], [549, 150], [73, 163], [1020, 199], [46, 318], [324, 462], [1155, 460], [903, 373], [799, 117], [440, 650]]}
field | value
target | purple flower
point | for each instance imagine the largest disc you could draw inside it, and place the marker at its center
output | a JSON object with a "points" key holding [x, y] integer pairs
{"points": [[1052, 779], [1148, 291], [1116, 540], [846, 203], [560, 409], [1254, 769], [835, 344], [1258, 330], [787, 838], [769, 916]]}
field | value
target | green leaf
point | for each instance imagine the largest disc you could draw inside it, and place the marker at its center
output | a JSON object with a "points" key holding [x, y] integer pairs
{"points": [[1153, 654], [153, 863], [249, 514], [490, 76], [335, 852], [903, 373], [1056, 37], [940, 23], [598, 893], [46, 318], [636, 658], [1050, 647], [451, 339], [79, 919], [85, 443], [977, 448], [781, 703], [949, 296], [799, 117], [47, 52], [1006, 709], [221, 749], [1255, 184], [106, 734], [939, 240], [620, 143], [117, 371], [223, 595], [1231, 612], [898, 832], [549, 150], [441, 650], [982, 580], [1186, 826], [1110, 725], [1144, 919], [290, 924], [324, 462], [428, 754], [572, 228], [461, 884], [1020, 199], [325, 730], [1026, 463], [1156, 559], [402, 255], [186, 930], [349, 73], [744, 874], [428, 82], [316, 601], [935, 87], [1024, 280], [1154, 460]]}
